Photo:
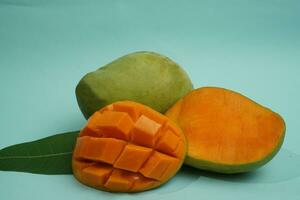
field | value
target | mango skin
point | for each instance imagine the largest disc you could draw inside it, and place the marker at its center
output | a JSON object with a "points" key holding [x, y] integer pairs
{"points": [[145, 77]]}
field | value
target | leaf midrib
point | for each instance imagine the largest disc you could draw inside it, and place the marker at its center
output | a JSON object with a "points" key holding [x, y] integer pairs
{"points": [[36, 156]]}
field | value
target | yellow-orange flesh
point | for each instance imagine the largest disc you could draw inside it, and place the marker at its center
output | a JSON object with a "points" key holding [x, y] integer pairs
{"points": [[128, 147], [224, 127]]}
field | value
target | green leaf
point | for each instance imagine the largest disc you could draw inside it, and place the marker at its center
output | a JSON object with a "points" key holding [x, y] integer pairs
{"points": [[50, 155]]}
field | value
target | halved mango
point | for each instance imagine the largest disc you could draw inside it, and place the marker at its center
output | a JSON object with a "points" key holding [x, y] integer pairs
{"points": [[128, 147], [226, 131]]}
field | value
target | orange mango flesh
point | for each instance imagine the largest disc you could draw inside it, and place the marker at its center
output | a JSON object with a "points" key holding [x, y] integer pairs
{"points": [[128, 147], [224, 129]]}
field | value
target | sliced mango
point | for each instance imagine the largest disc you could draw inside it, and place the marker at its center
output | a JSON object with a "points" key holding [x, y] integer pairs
{"points": [[128, 147]]}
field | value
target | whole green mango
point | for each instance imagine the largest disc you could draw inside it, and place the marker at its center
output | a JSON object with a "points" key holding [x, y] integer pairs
{"points": [[145, 77]]}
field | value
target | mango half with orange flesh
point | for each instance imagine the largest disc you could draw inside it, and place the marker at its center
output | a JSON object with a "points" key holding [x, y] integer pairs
{"points": [[226, 131], [128, 147]]}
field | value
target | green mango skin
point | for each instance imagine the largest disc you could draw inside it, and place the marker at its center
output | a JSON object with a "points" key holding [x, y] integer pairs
{"points": [[144, 77]]}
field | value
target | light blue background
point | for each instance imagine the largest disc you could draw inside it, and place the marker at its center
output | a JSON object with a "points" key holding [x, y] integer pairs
{"points": [[249, 46]]}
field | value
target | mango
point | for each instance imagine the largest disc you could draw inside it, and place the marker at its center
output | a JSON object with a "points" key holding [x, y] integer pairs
{"points": [[145, 77], [128, 147], [226, 131]]}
